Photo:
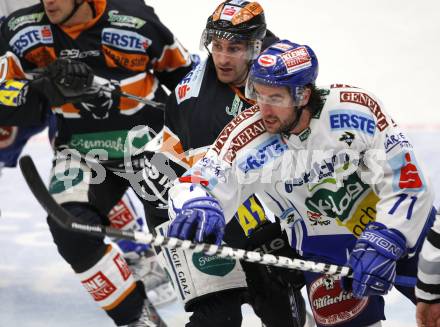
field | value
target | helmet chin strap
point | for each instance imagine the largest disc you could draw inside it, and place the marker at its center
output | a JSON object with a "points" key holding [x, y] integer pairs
{"points": [[75, 8]]}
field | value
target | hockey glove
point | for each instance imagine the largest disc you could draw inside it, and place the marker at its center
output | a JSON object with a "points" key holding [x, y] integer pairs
{"points": [[373, 260], [63, 81], [274, 293], [201, 220]]}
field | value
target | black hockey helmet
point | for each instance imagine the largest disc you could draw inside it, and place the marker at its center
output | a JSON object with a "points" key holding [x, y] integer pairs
{"points": [[236, 20]]}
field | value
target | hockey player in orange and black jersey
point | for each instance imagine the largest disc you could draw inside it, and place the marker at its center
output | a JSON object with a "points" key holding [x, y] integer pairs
{"points": [[122, 41], [203, 103], [140, 258]]}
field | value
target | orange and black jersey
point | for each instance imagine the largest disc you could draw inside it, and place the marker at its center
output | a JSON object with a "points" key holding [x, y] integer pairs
{"points": [[195, 114], [125, 41], [197, 111]]}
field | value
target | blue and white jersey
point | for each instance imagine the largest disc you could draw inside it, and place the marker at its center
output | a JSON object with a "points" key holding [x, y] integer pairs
{"points": [[351, 166]]}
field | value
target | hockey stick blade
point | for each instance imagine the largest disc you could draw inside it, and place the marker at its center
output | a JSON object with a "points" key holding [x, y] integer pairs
{"points": [[67, 221]]}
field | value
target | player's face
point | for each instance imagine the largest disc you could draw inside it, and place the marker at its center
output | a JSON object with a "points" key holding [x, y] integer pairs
{"points": [[231, 60], [58, 10], [276, 106]]}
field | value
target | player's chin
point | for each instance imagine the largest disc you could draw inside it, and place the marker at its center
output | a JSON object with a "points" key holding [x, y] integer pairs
{"points": [[272, 127], [55, 17], [225, 76]]}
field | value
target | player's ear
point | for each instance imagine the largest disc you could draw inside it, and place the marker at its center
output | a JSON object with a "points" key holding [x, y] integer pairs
{"points": [[306, 96]]}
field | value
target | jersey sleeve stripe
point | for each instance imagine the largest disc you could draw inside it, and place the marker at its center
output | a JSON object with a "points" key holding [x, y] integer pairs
{"points": [[171, 59], [429, 288], [434, 238], [427, 297]]}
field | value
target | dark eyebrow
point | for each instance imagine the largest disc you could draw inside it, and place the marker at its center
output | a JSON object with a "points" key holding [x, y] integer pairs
{"points": [[231, 42], [276, 95], [237, 42]]}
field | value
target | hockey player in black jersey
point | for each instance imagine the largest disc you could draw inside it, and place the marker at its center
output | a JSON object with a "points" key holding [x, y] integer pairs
{"points": [[123, 41], [140, 258], [203, 103]]}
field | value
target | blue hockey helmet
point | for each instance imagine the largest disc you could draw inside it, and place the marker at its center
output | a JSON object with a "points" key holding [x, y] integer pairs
{"points": [[284, 64]]}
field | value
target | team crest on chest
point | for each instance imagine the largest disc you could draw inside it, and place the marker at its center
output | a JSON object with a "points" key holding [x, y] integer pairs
{"points": [[347, 137], [236, 107]]}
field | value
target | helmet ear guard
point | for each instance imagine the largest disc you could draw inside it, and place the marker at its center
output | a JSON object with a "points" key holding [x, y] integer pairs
{"points": [[298, 94]]}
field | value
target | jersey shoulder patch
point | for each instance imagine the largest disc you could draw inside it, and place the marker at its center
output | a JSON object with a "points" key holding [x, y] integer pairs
{"points": [[22, 18], [349, 97], [189, 86], [236, 135]]}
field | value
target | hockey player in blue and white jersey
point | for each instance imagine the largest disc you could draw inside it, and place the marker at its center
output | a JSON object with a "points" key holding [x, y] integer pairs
{"points": [[337, 170], [202, 104]]}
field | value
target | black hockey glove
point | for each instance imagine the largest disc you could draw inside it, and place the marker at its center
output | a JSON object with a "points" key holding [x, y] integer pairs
{"points": [[64, 81], [274, 293]]}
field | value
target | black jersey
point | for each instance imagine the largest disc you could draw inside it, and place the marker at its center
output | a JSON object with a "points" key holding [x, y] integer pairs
{"points": [[196, 112], [126, 42]]}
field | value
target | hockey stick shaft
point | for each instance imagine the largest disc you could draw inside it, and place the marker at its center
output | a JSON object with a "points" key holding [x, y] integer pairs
{"points": [[66, 220], [154, 104]]}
